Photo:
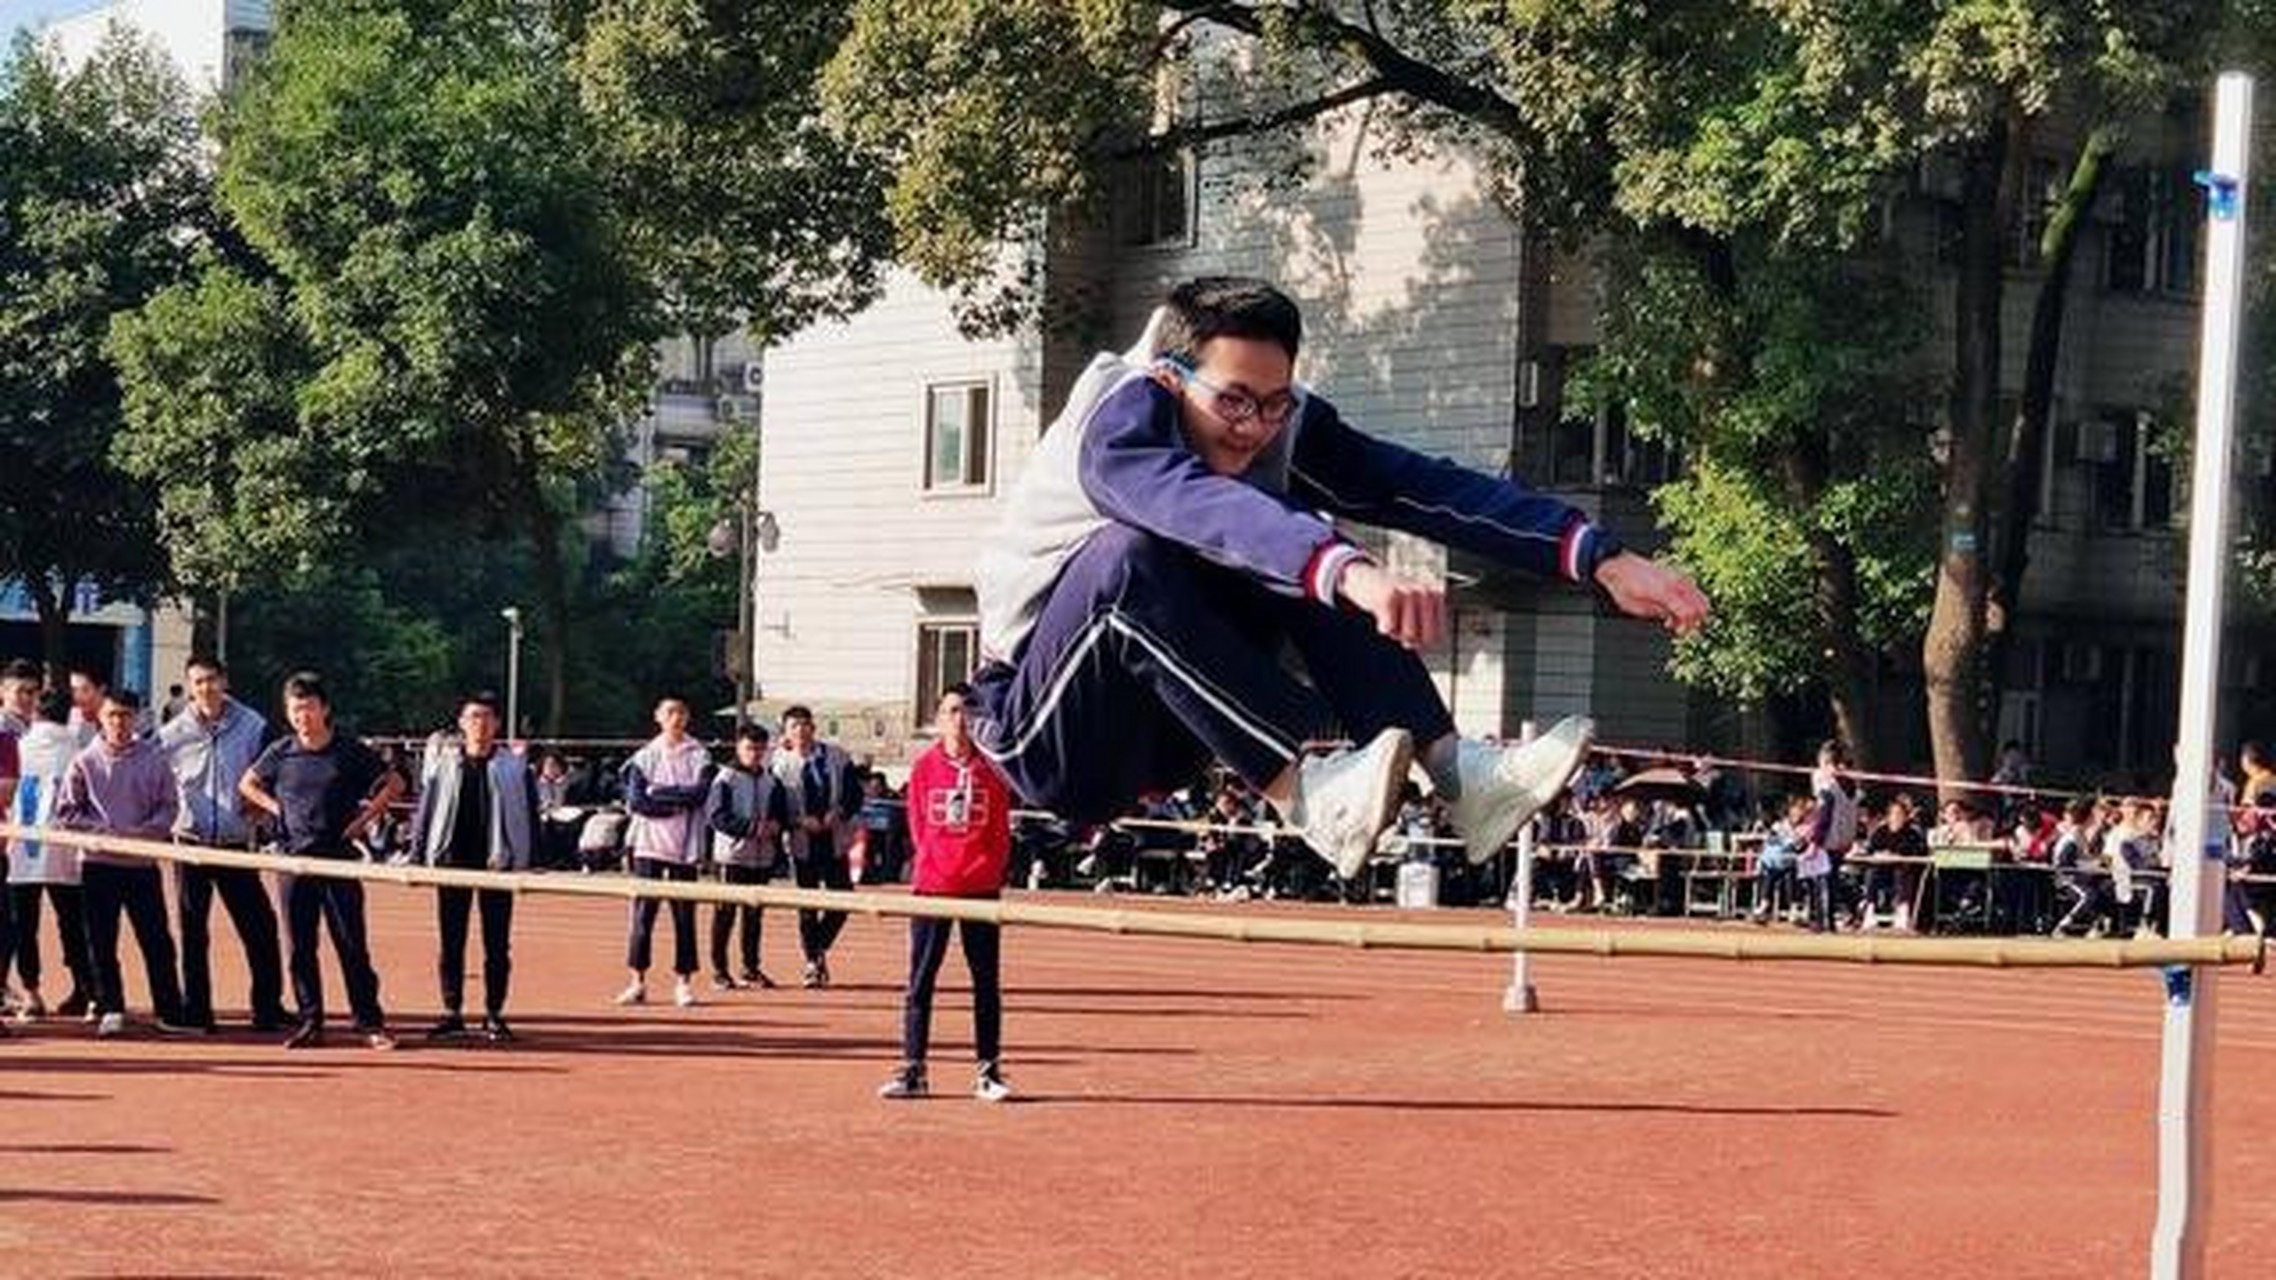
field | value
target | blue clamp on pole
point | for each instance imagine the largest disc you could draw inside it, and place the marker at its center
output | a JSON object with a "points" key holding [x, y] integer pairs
{"points": [[2220, 194], [2179, 986]]}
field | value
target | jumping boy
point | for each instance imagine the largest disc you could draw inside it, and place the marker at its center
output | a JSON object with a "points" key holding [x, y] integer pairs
{"points": [[960, 821], [1166, 540]]}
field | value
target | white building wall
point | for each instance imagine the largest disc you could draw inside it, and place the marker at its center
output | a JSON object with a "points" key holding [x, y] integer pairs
{"points": [[194, 33], [843, 425]]}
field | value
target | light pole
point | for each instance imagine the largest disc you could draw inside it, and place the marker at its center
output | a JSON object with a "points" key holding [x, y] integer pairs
{"points": [[752, 530], [513, 616]]}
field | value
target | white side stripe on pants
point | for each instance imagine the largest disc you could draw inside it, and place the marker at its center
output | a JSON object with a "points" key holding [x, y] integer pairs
{"points": [[1220, 701]]}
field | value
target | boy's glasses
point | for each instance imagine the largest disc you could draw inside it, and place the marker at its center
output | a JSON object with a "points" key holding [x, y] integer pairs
{"points": [[1236, 406]]}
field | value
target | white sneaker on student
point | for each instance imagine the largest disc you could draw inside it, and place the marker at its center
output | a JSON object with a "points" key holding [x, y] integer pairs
{"points": [[637, 993], [1346, 799], [683, 993], [1502, 786], [110, 1024]]}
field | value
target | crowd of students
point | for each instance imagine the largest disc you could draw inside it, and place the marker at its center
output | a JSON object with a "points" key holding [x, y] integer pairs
{"points": [[86, 758]]}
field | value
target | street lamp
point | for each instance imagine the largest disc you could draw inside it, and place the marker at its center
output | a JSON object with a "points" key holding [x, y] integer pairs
{"points": [[513, 616], [751, 528]]}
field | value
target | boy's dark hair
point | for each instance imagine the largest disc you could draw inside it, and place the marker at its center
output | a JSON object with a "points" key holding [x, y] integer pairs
{"points": [[89, 674], [127, 698], [55, 706], [754, 733], [483, 698], [798, 711], [2255, 753], [206, 662], [1832, 752], [955, 689], [23, 669], [307, 684], [2078, 809], [1228, 307]]}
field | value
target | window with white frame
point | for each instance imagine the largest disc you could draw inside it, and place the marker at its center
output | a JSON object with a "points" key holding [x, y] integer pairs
{"points": [[958, 424], [947, 652]]}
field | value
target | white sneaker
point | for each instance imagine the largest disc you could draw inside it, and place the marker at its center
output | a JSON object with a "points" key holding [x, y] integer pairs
{"points": [[1502, 786], [1349, 797], [109, 1025], [683, 993], [990, 1086], [637, 993]]}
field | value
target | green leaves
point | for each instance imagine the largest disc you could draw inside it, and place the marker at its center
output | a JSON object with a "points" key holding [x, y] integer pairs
{"points": [[101, 204]]}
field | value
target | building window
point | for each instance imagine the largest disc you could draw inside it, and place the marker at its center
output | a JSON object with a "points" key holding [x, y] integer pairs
{"points": [[947, 652], [2133, 482], [2152, 242], [1161, 201], [2034, 207], [957, 427]]}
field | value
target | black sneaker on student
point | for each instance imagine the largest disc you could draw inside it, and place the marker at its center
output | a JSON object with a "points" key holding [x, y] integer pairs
{"points": [[75, 1005], [449, 1027], [758, 978], [272, 1020], [308, 1035], [495, 1030], [907, 1083]]}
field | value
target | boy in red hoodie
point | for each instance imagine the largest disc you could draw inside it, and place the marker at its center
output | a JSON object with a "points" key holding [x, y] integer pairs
{"points": [[960, 821]]}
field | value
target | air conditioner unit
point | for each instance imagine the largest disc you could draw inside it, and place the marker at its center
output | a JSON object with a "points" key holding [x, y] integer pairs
{"points": [[1529, 384], [2082, 663], [754, 377], [2098, 441], [727, 409]]}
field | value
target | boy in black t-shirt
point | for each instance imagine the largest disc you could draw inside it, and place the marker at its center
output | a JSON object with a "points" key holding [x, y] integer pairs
{"points": [[323, 790]]}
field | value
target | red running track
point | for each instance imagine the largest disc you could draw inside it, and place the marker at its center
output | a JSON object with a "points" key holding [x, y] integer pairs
{"points": [[1189, 1109]]}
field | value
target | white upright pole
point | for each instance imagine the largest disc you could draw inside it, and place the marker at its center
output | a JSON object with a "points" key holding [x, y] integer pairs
{"points": [[1521, 997], [2185, 1091]]}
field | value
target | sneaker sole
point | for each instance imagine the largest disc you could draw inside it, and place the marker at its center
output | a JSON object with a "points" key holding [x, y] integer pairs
{"points": [[1502, 828], [1383, 801]]}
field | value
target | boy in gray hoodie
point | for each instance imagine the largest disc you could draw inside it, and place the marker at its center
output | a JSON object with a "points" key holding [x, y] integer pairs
{"points": [[210, 744]]}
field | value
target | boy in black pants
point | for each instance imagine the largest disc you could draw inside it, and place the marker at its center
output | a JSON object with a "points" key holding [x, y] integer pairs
{"points": [[323, 790], [747, 814]]}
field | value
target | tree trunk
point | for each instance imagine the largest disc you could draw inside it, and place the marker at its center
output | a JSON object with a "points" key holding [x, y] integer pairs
{"points": [[1849, 674], [543, 525], [2028, 440], [51, 601], [1952, 653]]}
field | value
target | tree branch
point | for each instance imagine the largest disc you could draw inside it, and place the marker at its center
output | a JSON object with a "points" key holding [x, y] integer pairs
{"points": [[1182, 136], [1400, 71]]}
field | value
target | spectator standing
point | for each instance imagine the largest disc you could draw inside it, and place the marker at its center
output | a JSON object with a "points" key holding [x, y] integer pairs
{"points": [[960, 818], [40, 869], [120, 785], [666, 784], [477, 812], [747, 813], [323, 790], [209, 744], [823, 794]]}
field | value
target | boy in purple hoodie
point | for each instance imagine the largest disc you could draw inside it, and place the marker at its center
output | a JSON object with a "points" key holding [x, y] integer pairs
{"points": [[122, 785]]}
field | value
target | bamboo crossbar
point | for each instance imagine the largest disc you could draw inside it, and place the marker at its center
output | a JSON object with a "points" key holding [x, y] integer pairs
{"points": [[1386, 935]]}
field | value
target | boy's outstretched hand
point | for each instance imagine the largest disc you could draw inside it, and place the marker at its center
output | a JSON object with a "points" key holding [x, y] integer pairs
{"points": [[1409, 610], [1648, 589]]}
